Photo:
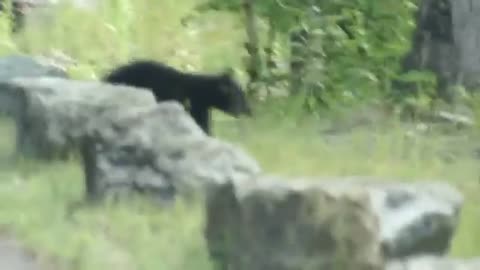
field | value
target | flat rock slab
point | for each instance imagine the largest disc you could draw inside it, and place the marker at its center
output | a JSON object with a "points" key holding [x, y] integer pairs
{"points": [[14, 257]]}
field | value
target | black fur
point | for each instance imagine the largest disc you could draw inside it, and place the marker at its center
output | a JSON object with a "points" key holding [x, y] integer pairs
{"points": [[201, 91]]}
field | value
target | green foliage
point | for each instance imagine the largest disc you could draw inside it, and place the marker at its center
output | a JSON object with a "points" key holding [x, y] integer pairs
{"points": [[420, 96], [120, 30], [34, 196], [363, 43], [6, 18], [357, 45]]}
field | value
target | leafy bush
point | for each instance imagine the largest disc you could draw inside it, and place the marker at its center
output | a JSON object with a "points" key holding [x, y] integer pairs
{"points": [[354, 47]]}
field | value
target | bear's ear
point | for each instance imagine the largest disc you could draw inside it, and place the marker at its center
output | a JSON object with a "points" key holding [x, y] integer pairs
{"points": [[228, 72]]}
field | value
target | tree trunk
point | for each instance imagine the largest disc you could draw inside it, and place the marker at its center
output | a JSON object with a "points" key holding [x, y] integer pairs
{"points": [[17, 10], [433, 46], [447, 42], [466, 25], [254, 66]]}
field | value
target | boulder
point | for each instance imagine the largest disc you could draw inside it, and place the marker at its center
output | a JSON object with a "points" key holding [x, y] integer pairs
{"points": [[15, 255], [13, 66], [160, 151], [415, 217], [275, 224], [51, 113], [434, 263]]}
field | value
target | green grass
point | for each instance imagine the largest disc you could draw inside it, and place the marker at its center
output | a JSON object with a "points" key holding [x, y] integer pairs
{"points": [[135, 235]]}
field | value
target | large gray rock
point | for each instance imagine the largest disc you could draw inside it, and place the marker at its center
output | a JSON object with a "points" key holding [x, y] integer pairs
{"points": [[14, 256], [415, 217], [51, 113], [13, 66], [274, 224], [161, 151], [434, 263]]}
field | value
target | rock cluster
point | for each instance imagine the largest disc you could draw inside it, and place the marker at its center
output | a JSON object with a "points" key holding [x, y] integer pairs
{"points": [[129, 143]]}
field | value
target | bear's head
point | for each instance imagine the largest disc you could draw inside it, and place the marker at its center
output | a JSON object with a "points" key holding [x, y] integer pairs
{"points": [[233, 98]]}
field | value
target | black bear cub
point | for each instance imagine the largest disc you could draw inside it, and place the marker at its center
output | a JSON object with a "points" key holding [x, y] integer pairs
{"points": [[200, 91]]}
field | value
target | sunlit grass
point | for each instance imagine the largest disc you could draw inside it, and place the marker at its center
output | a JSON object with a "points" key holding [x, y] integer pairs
{"points": [[35, 197]]}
